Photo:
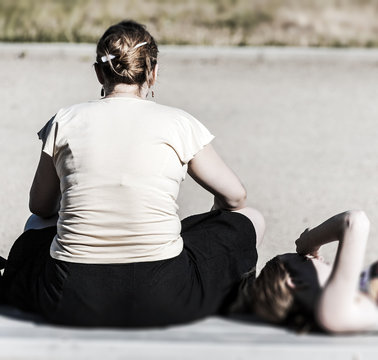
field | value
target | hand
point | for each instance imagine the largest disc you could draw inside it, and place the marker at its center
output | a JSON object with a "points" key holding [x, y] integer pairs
{"points": [[305, 244]]}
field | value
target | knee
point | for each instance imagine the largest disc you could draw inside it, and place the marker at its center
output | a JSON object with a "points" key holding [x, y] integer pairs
{"points": [[37, 222], [257, 220]]}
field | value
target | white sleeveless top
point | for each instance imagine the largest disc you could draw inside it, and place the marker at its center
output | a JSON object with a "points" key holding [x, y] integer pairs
{"points": [[120, 162]]}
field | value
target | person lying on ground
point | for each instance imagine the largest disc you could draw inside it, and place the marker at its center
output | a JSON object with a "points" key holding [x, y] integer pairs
{"points": [[302, 291]]}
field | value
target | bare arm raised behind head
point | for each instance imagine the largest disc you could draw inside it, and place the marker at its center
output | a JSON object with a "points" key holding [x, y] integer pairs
{"points": [[209, 170], [330, 230], [341, 306]]}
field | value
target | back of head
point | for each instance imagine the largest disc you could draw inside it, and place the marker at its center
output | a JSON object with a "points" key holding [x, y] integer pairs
{"points": [[127, 53], [273, 299]]}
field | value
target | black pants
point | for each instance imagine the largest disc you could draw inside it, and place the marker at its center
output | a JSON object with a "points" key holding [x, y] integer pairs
{"points": [[219, 247]]}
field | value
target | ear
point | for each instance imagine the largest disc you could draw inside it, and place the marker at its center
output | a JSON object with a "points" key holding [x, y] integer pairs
{"points": [[100, 76], [290, 283], [154, 74]]}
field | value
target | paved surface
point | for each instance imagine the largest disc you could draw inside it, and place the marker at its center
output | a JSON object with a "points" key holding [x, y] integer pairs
{"points": [[213, 338], [299, 127]]}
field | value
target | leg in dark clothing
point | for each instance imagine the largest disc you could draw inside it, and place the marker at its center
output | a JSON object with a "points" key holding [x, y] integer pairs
{"points": [[26, 261]]}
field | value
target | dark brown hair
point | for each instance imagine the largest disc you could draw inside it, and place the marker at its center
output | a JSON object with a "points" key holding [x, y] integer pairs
{"points": [[130, 65], [271, 299]]}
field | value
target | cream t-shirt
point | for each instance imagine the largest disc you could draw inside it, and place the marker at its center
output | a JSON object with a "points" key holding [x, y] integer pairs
{"points": [[120, 162]]}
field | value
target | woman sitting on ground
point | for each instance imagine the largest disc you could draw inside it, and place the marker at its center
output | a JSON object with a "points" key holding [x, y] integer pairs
{"points": [[110, 172], [303, 291]]}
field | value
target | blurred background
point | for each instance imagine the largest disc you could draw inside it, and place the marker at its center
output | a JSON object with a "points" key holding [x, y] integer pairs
{"points": [[334, 23]]}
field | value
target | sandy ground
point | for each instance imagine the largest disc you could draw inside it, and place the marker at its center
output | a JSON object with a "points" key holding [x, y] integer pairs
{"points": [[299, 127]]}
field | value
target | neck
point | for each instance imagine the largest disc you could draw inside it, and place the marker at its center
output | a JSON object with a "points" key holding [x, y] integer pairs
{"points": [[125, 90]]}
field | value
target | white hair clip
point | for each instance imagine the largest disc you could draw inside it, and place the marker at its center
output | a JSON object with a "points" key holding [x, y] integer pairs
{"points": [[139, 45], [106, 58], [109, 57]]}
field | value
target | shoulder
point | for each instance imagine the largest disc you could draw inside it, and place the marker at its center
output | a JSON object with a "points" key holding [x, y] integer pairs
{"points": [[166, 110], [77, 109], [176, 116], [63, 117]]}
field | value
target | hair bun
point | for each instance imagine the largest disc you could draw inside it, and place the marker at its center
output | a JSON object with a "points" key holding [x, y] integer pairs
{"points": [[127, 58]]}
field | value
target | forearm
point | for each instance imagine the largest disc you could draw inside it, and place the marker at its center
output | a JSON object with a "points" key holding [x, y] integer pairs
{"points": [[43, 207], [209, 170], [329, 231], [45, 193]]}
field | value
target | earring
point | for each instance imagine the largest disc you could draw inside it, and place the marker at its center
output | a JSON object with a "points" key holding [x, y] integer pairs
{"points": [[152, 93], [102, 92]]}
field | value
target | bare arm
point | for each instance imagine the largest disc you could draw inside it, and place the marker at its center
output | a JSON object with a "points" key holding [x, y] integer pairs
{"points": [[209, 170], [330, 230], [45, 190], [342, 307]]}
